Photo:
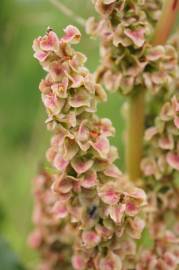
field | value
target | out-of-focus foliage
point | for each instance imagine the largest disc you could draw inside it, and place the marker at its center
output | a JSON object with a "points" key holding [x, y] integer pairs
{"points": [[8, 259]]}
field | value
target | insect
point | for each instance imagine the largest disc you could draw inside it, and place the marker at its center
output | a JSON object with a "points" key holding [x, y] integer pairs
{"points": [[92, 211]]}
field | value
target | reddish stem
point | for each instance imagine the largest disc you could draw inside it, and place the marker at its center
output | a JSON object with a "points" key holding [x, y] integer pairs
{"points": [[175, 2]]}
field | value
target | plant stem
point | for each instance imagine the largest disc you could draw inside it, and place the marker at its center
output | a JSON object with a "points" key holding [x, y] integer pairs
{"points": [[68, 12], [135, 130], [166, 22], [136, 103]]}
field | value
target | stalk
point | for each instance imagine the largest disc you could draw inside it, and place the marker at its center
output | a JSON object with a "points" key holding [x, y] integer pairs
{"points": [[136, 103], [166, 22], [135, 130]]}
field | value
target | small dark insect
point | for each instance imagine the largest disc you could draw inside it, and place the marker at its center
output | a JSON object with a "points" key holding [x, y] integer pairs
{"points": [[92, 211]]}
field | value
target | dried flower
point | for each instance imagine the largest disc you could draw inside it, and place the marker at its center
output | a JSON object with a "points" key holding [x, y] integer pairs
{"points": [[90, 192], [127, 58], [53, 239]]}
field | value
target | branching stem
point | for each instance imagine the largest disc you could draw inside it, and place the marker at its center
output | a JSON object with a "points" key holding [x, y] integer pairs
{"points": [[68, 12]]}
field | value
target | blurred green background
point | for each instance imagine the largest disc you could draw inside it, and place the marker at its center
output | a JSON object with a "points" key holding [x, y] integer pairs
{"points": [[23, 135]]}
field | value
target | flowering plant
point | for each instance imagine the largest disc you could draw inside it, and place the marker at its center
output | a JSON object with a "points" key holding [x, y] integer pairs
{"points": [[88, 214]]}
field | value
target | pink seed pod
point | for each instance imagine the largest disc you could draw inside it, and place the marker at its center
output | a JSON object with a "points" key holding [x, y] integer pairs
{"points": [[89, 192]]}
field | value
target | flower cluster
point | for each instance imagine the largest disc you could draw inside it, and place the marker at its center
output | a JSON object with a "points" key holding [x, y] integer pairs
{"points": [[165, 253], [162, 163], [128, 60], [163, 225], [160, 168], [163, 156], [52, 239], [91, 192]]}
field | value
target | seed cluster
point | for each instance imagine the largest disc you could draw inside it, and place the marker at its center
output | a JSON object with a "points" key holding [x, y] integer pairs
{"points": [[91, 193], [128, 60], [52, 238], [161, 172], [88, 214]]}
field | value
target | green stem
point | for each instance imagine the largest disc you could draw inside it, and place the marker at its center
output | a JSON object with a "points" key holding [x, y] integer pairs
{"points": [[135, 130], [136, 103]]}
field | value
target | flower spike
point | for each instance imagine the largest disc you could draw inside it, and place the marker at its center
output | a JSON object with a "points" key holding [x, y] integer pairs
{"points": [[92, 195]]}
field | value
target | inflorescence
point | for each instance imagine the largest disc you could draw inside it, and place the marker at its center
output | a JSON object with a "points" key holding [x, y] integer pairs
{"points": [[103, 207], [88, 214], [128, 60]]}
